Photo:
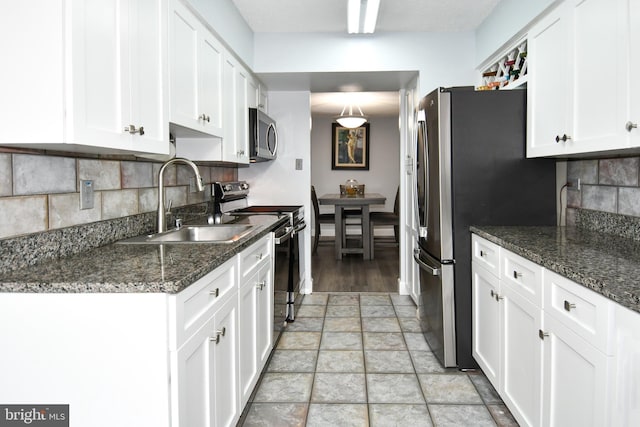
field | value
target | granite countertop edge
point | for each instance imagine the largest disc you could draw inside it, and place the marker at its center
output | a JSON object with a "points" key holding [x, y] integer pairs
{"points": [[138, 268], [540, 249]]}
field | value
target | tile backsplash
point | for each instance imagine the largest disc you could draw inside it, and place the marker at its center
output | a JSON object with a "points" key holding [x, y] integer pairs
{"points": [[606, 185], [40, 192]]}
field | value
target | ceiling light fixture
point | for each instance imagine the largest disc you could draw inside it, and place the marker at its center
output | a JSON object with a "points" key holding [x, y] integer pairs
{"points": [[354, 15], [351, 120]]}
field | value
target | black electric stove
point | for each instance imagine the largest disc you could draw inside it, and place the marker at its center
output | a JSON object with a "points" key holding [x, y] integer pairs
{"points": [[230, 198]]}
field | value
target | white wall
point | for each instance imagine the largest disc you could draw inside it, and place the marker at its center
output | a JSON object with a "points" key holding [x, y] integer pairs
{"points": [[225, 19], [383, 175], [443, 59], [505, 21], [278, 182]]}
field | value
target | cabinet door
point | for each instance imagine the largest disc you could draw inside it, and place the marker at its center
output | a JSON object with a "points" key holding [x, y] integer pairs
{"points": [[210, 83], [225, 365], [235, 144], [149, 76], [193, 381], [486, 323], [522, 359], [634, 66], [600, 39], [575, 379], [264, 329], [626, 411], [549, 88], [247, 337], [101, 83]]}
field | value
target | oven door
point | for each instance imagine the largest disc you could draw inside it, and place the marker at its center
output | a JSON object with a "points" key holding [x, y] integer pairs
{"points": [[282, 238]]}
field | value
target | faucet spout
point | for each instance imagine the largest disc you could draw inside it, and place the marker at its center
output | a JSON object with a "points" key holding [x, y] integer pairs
{"points": [[162, 223]]}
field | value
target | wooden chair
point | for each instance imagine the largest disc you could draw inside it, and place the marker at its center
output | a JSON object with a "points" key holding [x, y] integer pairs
{"points": [[387, 219], [329, 218]]}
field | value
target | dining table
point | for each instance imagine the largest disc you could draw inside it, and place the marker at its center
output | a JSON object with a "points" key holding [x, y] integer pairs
{"points": [[362, 201]]}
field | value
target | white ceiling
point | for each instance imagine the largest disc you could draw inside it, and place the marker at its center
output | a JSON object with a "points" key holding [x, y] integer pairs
{"points": [[294, 16], [303, 16]]}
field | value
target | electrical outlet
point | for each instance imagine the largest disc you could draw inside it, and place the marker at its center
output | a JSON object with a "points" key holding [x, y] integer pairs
{"points": [[298, 164], [574, 184], [86, 194]]}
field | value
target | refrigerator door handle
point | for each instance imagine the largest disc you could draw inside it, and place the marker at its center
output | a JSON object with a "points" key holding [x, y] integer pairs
{"points": [[424, 233], [423, 265], [421, 141]]}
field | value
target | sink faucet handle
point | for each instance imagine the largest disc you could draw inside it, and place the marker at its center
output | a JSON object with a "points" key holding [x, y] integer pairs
{"points": [[168, 207], [178, 223]]}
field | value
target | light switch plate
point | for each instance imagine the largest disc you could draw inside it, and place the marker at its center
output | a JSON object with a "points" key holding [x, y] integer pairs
{"points": [[298, 164], [86, 194]]}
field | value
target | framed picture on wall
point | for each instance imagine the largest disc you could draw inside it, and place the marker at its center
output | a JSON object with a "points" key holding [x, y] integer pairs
{"points": [[350, 147]]}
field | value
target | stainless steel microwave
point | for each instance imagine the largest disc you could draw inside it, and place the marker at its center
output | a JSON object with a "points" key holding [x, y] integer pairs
{"points": [[263, 136]]}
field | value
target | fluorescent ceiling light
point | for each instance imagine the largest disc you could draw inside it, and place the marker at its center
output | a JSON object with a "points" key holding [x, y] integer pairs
{"points": [[371, 16], [354, 14]]}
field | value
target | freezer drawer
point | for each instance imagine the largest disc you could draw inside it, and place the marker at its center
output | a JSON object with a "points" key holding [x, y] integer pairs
{"points": [[437, 308]]}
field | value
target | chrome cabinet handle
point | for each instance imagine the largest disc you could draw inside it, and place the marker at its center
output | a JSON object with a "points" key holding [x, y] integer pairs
{"points": [[562, 138], [132, 129], [630, 126], [219, 333], [259, 256], [241, 153], [496, 295], [261, 285], [542, 334], [204, 118], [481, 253], [568, 306], [215, 292], [516, 274]]}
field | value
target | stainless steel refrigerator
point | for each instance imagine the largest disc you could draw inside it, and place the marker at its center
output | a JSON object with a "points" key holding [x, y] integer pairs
{"points": [[471, 170]]}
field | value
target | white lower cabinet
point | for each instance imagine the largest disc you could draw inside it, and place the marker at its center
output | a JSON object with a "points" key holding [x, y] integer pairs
{"points": [[520, 385], [575, 378], [558, 353], [215, 369], [506, 320]]}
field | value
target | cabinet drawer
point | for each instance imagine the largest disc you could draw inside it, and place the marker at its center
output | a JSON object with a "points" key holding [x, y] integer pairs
{"points": [[193, 306], [486, 254], [522, 275], [583, 311], [253, 257]]}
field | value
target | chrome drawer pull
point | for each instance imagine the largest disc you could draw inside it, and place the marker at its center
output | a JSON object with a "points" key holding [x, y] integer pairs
{"points": [[261, 285], [215, 292], [496, 295], [481, 253], [568, 306], [542, 334], [259, 256], [516, 274], [630, 126], [204, 118]]}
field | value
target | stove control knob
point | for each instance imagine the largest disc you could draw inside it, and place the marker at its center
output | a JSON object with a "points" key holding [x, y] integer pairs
{"points": [[228, 187], [244, 186]]}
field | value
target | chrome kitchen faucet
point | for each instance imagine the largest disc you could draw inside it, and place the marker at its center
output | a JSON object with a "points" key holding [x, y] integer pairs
{"points": [[162, 223]]}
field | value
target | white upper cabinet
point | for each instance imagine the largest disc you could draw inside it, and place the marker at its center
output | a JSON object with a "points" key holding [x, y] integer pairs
{"points": [[235, 144], [578, 86], [196, 73], [86, 76]]}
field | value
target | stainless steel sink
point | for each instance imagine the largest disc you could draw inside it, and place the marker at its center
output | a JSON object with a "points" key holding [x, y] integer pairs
{"points": [[219, 233]]}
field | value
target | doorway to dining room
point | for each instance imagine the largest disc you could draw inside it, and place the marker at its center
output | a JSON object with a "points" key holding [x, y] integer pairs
{"points": [[382, 175]]}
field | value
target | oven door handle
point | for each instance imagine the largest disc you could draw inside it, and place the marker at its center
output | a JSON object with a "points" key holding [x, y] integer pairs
{"points": [[279, 239], [299, 227]]}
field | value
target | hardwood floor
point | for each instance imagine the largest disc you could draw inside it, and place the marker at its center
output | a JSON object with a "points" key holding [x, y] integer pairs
{"points": [[352, 273]]}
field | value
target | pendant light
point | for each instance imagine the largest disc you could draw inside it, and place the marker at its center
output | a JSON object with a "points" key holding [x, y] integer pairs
{"points": [[351, 120]]}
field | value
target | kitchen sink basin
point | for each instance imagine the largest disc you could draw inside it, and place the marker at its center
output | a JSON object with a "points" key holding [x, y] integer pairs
{"points": [[220, 233]]}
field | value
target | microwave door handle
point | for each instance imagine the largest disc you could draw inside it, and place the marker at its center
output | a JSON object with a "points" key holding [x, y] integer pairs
{"points": [[275, 137]]}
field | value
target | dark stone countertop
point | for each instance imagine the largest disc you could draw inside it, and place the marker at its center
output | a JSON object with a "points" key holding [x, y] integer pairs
{"points": [[137, 268], [607, 264]]}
